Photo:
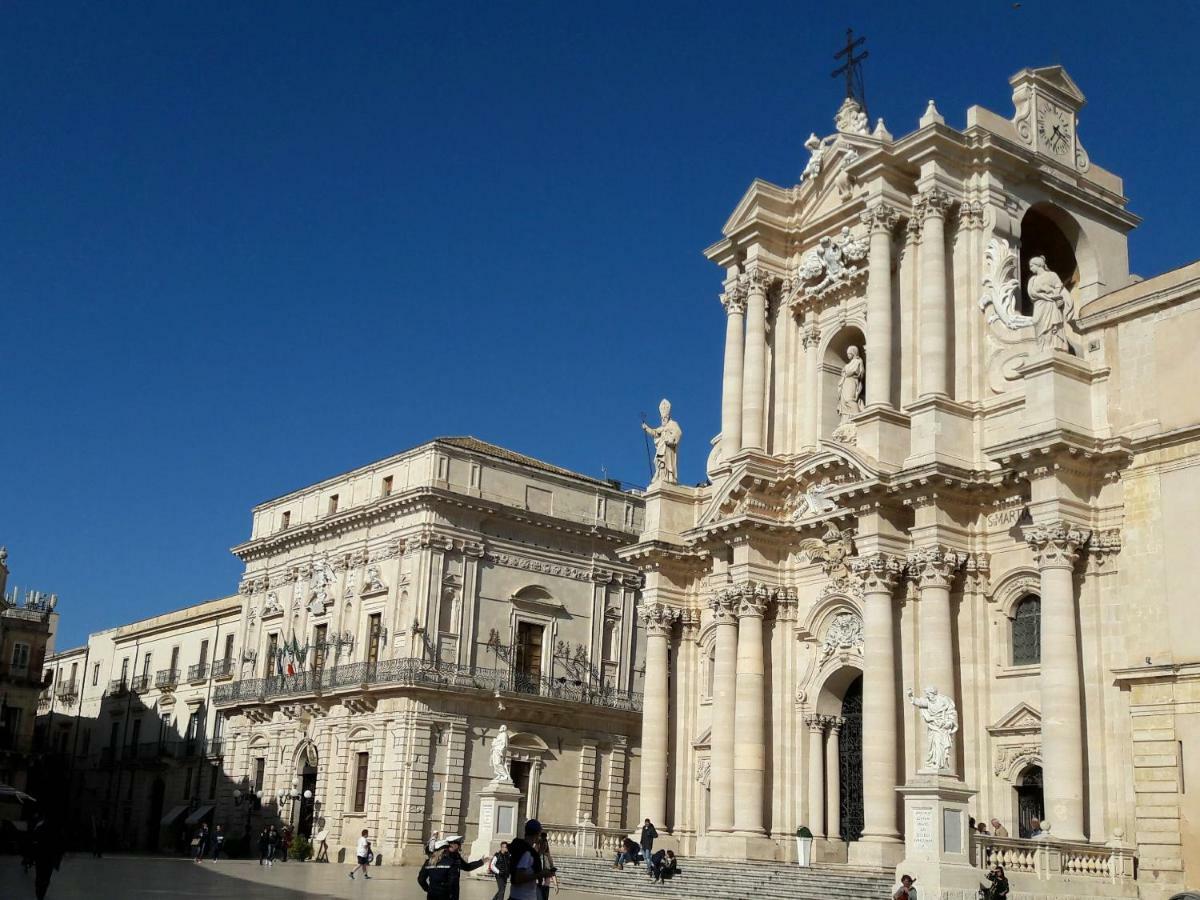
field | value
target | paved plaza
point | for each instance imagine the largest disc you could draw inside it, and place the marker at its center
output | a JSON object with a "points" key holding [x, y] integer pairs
{"points": [[133, 877]]}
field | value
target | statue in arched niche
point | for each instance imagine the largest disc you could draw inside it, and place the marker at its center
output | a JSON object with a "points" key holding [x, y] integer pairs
{"points": [[1052, 306], [851, 385]]}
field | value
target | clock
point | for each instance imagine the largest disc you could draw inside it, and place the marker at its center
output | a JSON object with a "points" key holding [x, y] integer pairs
{"points": [[1055, 129]]}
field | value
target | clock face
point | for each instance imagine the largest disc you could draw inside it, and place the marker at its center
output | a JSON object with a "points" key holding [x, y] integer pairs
{"points": [[1054, 129]]}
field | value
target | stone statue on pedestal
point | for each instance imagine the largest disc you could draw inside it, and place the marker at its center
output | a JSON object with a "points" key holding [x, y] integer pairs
{"points": [[499, 757], [666, 446], [850, 394], [941, 722], [1052, 306]]}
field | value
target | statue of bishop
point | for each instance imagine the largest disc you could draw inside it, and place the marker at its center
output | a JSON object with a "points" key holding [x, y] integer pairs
{"points": [[666, 446]]}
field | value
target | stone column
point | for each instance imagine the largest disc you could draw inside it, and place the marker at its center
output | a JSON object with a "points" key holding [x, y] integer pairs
{"points": [[812, 391], [1055, 549], [723, 711], [734, 301], [833, 780], [754, 385], [880, 219], [934, 569], [934, 314], [657, 618], [816, 774], [879, 573], [750, 750]]}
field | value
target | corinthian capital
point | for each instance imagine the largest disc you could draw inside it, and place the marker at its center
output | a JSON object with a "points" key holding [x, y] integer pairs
{"points": [[878, 572], [753, 601], [931, 202], [724, 605], [1056, 545], [934, 566], [757, 279], [880, 217], [811, 336], [657, 618], [734, 299]]}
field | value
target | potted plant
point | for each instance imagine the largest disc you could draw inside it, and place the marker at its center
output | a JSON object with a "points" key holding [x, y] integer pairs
{"points": [[804, 842]]}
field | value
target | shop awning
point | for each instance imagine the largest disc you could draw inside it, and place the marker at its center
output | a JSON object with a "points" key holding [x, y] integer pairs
{"points": [[198, 815], [172, 817]]}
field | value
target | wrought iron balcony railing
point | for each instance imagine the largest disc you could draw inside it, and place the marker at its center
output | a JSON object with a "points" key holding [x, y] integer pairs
{"points": [[424, 673], [166, 678], [198, 672], [222, 668], [139, 684], [118, 687]]}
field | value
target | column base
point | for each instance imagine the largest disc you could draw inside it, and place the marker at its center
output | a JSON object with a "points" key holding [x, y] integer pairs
{"points": [[735, 846], [877, 852]]}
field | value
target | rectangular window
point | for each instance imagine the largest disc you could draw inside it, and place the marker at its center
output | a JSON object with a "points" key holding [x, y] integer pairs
{"points": [[212, 782], [228, 648], [135, 736], [125, 670], [360, 781], [20, 657], [529, 649], [146, 667], [272, 652], [374, 633], [333, 502], [387, 485], [174, 661], [95, 674], [320, 633], [74, 672], [203, 653], [285, 520], [260, 773]]}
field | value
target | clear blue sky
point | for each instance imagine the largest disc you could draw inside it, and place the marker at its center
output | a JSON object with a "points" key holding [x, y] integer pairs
{"points": [[246, 246]]}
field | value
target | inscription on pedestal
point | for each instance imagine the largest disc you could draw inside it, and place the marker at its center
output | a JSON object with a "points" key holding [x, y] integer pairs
{"points": [[922, 817], [952, 835]]}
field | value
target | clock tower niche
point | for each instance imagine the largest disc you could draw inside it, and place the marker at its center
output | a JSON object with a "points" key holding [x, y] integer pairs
{"points": [[1047, 117]]}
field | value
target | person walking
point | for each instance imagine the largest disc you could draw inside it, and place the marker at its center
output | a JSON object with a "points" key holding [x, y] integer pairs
{"points": [[364, 854], [285, 843], [499, 866], [649, 833], [217, 842], [263, 847], [439, 877], [526, 864], [200, 844], [549, 876], [272, 845], [47, 853]]}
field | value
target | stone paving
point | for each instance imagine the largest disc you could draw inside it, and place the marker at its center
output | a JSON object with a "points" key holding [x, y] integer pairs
{"points": [[133, 877]]}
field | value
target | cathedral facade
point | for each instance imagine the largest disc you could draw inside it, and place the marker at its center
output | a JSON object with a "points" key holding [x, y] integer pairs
{"points": [[938, 575]]}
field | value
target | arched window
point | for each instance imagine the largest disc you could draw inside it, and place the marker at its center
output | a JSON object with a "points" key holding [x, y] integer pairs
{"points": [[1027, 632]]}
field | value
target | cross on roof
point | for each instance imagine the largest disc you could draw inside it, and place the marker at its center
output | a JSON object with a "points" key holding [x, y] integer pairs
{"points": [[852, 68]]}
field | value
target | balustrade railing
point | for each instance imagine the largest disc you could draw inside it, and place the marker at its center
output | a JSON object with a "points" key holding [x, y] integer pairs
{"points": [[1046, 858], [584, 840], [413, 672]]}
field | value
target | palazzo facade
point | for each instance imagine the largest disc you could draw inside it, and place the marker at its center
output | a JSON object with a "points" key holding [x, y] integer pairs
{"points": [[394, 618], [958, 451]]}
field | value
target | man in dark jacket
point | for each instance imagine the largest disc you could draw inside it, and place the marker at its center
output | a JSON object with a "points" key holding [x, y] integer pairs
{"points": [[438, 878], [649, 833], [500, 867]]}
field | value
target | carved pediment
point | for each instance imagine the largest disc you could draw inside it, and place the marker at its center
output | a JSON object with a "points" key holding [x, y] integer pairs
{"points": [[1022, 719], [763, 202]]}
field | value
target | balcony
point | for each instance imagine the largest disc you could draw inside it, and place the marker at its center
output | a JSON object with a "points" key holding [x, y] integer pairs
{"points": [[67, 691], [118, 687], [222, 668], [24, 676], [44, 700], [421, 673], [165, 679], [198, 672], [215, 748], [140, 684]]}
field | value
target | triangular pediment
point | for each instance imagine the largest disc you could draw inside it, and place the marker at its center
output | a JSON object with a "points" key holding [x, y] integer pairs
{"points": [[1021, 719], [1053, 78], [763, 202]]}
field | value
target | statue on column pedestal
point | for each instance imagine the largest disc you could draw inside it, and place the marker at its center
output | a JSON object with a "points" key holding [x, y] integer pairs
{"points": [[666, 446], [941, 722], [499, 757]]}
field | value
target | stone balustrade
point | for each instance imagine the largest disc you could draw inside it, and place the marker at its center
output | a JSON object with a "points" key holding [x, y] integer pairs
{"points": [[1047, 859], [584, 840]]}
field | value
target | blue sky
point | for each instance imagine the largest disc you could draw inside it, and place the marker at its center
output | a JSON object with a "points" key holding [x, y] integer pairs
{"points": [[246, 246]]}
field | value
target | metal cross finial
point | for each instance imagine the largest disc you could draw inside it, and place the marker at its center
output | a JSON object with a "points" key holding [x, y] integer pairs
{"points": [[852, 68]]}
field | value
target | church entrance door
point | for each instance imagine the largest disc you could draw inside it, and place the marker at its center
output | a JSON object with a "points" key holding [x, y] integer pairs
{"points": [[850, 773], [1030, 805]]}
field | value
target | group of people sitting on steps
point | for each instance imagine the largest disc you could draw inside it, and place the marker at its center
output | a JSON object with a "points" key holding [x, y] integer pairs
{"points": [[660, 865]]}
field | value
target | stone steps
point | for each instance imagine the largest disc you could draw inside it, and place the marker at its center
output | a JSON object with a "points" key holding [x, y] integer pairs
{"points": [[709, 880]]}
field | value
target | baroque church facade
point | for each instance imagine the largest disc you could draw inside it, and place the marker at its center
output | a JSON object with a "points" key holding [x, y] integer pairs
{"points": [[954, 455]]}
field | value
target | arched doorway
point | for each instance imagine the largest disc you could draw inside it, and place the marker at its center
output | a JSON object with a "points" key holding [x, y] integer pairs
{"points": [[306, 775], [1030, 804], [850, 772]]}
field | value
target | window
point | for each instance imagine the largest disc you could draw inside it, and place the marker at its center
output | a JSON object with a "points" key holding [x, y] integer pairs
{"points": [[203, 653], [74, 672], [374, 632], [125, 670], [174, 659], [95, 674], [529, 649], [387, 485], [260, 773], [146, 667], [49, 676], [333, 502], [228, 648], [135, 736], [1027, 632], [360, 781], [272, 653], [20, 657], [285, 520], [320, 633], [212, 781], [712, 671]]}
